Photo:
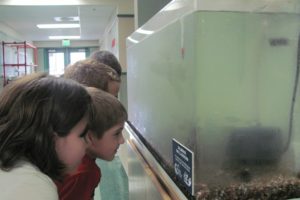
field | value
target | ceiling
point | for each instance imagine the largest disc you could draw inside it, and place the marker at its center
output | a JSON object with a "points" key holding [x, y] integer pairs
{"points": [[23, 19]]}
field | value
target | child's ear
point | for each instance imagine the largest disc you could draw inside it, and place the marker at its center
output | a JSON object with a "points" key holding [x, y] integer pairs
{"points": [[55, 136], [89, 138]]}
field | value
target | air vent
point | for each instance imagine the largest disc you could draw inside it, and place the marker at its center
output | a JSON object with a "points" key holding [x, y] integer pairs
{"points": [[67, 19]]}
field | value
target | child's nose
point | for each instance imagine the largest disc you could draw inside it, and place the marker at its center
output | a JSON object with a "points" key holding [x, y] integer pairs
{"points": [[121, 139]]}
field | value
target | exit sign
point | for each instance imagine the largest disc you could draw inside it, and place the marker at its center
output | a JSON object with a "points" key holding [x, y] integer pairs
{"points": [[66, 43]]}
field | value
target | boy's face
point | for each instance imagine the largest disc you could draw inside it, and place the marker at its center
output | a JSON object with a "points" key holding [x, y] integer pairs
{"points": [[107, 146]]}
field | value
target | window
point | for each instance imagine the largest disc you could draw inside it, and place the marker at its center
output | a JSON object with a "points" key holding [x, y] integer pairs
{"points": [[56, 63], [60, 58]]}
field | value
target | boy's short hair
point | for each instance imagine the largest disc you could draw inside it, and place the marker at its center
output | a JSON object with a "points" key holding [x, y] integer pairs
{"points": [[107, 111], [91, 73], [107, 58]]}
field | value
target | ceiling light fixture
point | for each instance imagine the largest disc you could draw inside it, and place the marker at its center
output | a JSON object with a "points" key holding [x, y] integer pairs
{"points": [[64, 37], [67, 19], [43, 2], [42, 26]]}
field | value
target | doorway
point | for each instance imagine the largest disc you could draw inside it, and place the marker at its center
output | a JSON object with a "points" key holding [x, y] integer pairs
{"points": [[59, 58]]}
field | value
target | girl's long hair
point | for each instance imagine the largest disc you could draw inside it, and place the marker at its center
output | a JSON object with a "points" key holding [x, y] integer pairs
{"points": [[32, 110]]}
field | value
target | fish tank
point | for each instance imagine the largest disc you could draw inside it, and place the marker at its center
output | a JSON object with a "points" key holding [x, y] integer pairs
{"points": [[222, 78]]}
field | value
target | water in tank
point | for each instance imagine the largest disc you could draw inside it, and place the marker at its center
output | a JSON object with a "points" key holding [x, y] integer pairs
{"points": [[223, 81]]}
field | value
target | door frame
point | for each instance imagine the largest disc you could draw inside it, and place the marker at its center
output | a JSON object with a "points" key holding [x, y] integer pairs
{"points": [[67, 51]]}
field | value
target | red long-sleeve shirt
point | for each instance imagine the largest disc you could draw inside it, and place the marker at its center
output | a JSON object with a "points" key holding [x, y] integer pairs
{"points": [[81, 184]]}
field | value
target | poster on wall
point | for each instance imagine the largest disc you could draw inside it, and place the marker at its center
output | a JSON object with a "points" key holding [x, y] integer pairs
{"points": [[111, 38]]}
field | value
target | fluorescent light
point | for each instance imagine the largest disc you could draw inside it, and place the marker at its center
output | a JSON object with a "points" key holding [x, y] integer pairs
{"points": [[64, 37], [58, 25], [44, 2]]}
